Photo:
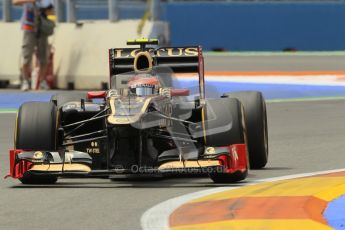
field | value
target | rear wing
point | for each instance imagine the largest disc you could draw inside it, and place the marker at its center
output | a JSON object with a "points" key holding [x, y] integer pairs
{"points": [[178, 59]]}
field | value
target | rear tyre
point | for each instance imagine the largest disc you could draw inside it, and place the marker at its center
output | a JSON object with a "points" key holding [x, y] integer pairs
{"points": [[224, 124], [63, 98], [36, 130], [256, 122]]}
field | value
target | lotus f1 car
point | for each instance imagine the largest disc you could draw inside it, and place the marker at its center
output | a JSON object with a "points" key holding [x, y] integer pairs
{"points": [[154, 119]]}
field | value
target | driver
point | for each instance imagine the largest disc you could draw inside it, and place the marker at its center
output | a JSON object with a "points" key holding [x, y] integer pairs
{"points": [[144, 86]]}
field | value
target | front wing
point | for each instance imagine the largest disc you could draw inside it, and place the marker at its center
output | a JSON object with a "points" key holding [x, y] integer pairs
{"points": [[228, 159]]}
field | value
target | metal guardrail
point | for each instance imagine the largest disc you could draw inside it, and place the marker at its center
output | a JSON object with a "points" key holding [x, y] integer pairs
{"points": [[113, 8], [6, 10], [67, 10]]}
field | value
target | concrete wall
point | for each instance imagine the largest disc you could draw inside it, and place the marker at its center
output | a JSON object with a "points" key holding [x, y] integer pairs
{"points": [[81, 51], [10, 42], [127, 10], [257, 26]]}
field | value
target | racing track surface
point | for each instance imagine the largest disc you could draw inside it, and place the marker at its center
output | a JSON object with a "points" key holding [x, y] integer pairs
{"points": [[317, 61], [303, 137]]}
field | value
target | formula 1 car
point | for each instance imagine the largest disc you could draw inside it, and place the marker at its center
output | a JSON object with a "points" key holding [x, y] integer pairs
{"points": [[145, 124]]}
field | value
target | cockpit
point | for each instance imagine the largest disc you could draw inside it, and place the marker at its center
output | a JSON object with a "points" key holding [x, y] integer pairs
{"points": [[144, 86]]}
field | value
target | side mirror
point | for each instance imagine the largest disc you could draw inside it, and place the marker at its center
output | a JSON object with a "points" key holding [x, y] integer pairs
{"points": [[96, 94], [180, 92]]}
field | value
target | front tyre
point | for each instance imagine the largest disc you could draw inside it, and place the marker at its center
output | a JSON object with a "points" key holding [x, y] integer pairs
{"points": [[36, 130], [256, 123], [221, 113]]}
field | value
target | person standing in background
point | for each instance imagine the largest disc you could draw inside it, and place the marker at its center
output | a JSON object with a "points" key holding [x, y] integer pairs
{"points": [[35, 39]]}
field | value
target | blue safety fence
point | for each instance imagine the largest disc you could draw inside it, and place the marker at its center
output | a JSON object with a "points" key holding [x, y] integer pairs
{"points": [[235, 25], [257, 26], [98, 10], [16, 12], [101, 12]]}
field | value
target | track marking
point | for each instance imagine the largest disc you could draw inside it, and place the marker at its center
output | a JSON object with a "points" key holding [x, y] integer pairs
{"points": [[304, 99], [8, 111], [335, 74], [334, 213], [157, 217], [283, 100], [267, 224]]}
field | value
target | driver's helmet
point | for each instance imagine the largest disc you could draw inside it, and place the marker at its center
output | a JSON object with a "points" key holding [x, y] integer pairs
{"points": [[143, 86]]}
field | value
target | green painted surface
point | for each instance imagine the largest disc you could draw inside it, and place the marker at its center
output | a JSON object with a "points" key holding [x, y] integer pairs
{"points": [[8, 110], [305, 99]]}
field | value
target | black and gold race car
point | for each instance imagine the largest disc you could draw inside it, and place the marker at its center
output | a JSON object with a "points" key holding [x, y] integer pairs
{"points": [[145, 124]]}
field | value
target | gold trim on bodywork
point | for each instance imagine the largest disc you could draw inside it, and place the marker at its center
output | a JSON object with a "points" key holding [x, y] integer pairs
{"points": [[189, 164], [58, 167], [125, 120], [15, 132], [203, 123]]}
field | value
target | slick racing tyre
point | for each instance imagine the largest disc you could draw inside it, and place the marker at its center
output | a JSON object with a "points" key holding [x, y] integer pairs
{"points": [[256, 123], [224, 124], [36, 130], [63, 98]]}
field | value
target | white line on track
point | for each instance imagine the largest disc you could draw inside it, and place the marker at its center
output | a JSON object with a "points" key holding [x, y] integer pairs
{"points": [[157, 217]]}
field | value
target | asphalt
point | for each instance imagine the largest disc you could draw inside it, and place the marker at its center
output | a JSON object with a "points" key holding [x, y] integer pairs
{"points": [[274, 62], [303, 137]]}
